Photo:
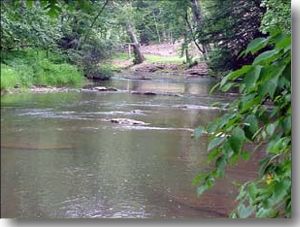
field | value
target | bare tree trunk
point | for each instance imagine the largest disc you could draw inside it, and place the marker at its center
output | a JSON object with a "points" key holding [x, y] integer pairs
{"points": [[196, 12], [198, 20], [138, 56], [157, 32], [185, 47]]}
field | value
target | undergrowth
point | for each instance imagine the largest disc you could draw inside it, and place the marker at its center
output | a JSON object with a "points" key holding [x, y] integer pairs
{"points": [[37, 67]]}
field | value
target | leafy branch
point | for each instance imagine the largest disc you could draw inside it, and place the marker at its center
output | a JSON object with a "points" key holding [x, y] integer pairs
{"points": [[250, 120]]}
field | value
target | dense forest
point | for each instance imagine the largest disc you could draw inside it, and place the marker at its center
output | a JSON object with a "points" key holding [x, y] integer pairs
{"points": [[246, 46]]}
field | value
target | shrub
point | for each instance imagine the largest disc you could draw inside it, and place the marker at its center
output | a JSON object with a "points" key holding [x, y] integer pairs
{"points": [[96, 72], [25, 68], [9, 77], [47, 73], [249, 120]]}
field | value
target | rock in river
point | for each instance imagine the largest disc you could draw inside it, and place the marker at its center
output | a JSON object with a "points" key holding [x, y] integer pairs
{"points": [[105, 89], [126, 121], [143, 93]]}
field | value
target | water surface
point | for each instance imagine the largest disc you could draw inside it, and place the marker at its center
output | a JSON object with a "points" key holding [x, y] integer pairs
{"points": [[62, 157]]}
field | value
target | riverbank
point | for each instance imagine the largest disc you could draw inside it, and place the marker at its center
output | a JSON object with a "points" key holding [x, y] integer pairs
{"points": [[40, 71], [33, 67], [164, 58]]}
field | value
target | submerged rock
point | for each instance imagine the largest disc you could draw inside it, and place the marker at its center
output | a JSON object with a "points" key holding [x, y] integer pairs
{"points": [[104, 89], [154, 93], [143, 93], [126, 121]]}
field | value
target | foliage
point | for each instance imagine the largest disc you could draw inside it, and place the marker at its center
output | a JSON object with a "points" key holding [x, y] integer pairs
{"points": [[74, 29], [85, 39], [278, 15], [103, 72], [8, 77], [228, 26], [262, 115], [32, 66], [220, 60], [27, 27], [164, 59]]}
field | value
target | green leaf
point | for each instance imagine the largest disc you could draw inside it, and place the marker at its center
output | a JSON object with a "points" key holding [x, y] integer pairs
{"points": [[245, 155], [29, 3], [270, 129], [212, 90], [198, 132], [273, 83], [278, 146], [266, 56], [209, 182], [284, 42], [202, 189], [220, 165], [266, 213], [197, 179], [213, 154], [245, 212], [252, 191], [256, 45], [251, 126], [215, 142], [281, 189], [252, 77], [227, 86], [237, 139], [235, 74]]}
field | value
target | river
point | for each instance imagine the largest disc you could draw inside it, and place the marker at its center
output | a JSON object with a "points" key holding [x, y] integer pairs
{"points": [[62, 157]]}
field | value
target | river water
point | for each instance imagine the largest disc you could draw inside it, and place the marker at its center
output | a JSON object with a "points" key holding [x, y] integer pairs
{"points": [[62, 157]]}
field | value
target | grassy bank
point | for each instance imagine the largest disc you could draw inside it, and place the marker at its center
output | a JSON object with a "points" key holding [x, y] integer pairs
{"points": [[151, 58], [37, 67]]}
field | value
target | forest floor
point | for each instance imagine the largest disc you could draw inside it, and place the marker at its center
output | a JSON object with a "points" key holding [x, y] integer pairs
{"points": [[160, 58]]}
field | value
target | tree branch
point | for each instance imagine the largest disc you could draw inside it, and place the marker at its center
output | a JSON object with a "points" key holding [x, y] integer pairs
{"points": [[95, 19], [193, 37]]}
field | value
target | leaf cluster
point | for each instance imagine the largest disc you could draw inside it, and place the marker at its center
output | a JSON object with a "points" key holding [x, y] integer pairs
{"points": [[261, 116]]}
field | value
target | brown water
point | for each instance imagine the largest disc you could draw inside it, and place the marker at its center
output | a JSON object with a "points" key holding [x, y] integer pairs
{"points": [[60, 158]]}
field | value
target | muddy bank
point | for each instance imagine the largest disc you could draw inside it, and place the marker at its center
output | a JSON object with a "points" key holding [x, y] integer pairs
{"points": [[200, 69]]}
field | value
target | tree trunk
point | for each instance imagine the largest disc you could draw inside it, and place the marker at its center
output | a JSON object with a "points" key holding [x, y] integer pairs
{"points": [[196, 12], [185, 47], [157, 32], [197, 16], [138, 56]]}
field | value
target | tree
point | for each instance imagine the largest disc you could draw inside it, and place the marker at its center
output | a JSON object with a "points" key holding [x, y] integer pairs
{"points": [[278, 15], [125, 15], [138, 56], [31, 27], [260, 116], [228, 26], [249, 120]]}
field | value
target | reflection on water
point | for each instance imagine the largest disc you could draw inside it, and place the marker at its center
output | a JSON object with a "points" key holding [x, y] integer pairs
{"points": [[195, 87], [59, 158]]}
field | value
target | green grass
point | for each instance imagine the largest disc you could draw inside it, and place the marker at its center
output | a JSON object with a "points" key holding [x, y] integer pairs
{"points": [[121, 56], [164, 59], [37, 67], [151, 58], [9, 77]]}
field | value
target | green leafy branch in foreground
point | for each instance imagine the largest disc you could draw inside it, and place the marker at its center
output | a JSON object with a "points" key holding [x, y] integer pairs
{"points": [[261, 116]]}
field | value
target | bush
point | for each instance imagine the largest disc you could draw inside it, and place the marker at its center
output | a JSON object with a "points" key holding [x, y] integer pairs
{"points": [[9, 77], [96, 72], [47, 73], [249, 120], [220, 60], [25, 68]]}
